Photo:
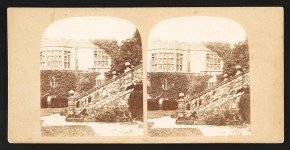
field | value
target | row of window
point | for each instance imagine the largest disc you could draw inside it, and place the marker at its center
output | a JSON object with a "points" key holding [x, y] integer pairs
{"points": [[213, 62], [174, 62], [166, 62], [101, 59], [61, 59], [55, 59]]}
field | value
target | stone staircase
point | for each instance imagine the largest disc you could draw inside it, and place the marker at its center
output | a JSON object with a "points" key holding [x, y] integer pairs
{"points": [[114, 93], [218, 99]]}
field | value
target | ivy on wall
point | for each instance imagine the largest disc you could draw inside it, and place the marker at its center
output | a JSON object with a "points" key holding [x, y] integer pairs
{"points": [[183, 83], [60, 82]]}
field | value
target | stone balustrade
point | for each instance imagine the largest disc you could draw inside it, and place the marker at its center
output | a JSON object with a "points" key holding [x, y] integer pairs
{"points": [[224, 95], [108, 92]]}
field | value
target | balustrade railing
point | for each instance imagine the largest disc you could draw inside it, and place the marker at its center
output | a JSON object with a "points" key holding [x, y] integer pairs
{"points": [[110, 88], [220, 93]]}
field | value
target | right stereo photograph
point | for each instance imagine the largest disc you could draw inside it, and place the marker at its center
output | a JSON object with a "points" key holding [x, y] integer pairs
{"points": [[198, 78]]}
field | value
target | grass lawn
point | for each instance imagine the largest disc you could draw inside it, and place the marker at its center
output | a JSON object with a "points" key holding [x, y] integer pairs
{"points": [[67, 131], [172, 132], [160, 113], [51, 111], [168, 132]]}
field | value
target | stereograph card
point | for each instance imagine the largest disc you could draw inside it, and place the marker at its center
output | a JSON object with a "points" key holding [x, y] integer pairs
{"points": [[145, 75]]}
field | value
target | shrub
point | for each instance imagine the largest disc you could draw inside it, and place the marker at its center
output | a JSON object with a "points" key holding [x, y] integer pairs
{"points": [[112, 115], [244, 106], [136, 104], [169, 105], [215, 120], [152, 104], [64, 112], [43, 102]]}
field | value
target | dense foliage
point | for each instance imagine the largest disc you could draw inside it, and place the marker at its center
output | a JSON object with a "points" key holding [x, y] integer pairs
{"points": [[182, 83], [130, 50], [66, 81], [56, 102]]}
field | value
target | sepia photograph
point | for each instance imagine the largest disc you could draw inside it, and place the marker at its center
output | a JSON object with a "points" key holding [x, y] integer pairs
{"points": [[91, 78], [145, 75], [198, 78]]}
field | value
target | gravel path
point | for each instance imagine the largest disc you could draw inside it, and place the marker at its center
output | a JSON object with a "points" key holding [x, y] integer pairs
{"points": [[207, 130], [101, 129]]}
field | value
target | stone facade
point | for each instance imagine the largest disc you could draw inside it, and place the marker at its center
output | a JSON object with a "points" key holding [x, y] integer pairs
{"points": [[174, 56], [68, 54]]}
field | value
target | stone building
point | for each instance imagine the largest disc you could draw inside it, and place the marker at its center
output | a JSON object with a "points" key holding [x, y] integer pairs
{"points": [[68, 54], [174, 56]]}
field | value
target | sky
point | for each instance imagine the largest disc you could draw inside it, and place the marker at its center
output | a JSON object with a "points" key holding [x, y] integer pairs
{"points": [[199, 29], [87, 28]]}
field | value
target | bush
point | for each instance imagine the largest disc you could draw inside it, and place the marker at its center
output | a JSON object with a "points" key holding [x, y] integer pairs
{"points": [[136, 104], [113, 115], [152, 104], [169, 105], [59, 102]]}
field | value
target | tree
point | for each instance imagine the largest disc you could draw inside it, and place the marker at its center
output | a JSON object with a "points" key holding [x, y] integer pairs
{"points": [[241, 54], [231, 56], [110, 46], [223, 49], [130, 50]]}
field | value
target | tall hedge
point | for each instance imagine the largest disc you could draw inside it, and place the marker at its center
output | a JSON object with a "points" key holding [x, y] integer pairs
{"points": [[66, 81], [169, 105]]}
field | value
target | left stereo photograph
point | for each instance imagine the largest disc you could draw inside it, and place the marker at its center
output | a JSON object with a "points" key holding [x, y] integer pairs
{"points": [[91, 78]]}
